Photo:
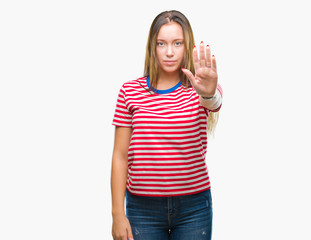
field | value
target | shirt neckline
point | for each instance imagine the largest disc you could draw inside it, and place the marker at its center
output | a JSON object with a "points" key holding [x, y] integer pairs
{"points": [[162, 91]]}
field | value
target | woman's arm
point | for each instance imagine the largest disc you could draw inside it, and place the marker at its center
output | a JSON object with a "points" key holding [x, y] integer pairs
{"points": [[121, 228], [205, 80], [213, 103]]}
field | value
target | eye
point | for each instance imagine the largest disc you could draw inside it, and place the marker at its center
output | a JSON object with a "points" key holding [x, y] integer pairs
{"points": [[160, 44], [178, 43]]}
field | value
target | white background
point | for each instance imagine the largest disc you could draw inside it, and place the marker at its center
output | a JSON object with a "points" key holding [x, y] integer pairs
{"points": [[62, 64]]}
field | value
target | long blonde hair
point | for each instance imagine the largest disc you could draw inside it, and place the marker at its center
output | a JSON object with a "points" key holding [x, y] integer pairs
{"points": [[151, 66]]}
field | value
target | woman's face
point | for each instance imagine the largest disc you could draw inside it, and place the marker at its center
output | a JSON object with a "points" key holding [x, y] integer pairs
{"points": [[170, 47]]}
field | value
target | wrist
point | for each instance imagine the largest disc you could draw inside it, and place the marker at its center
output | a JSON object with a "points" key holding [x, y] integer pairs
{"points": [[212, 103], [207, 97], [118, 214], [117, 211]]}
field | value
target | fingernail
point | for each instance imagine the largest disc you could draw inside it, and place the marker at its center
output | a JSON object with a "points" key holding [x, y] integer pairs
{"points": [[194, 46], [201, 42], [213, 55], [207, 45]]}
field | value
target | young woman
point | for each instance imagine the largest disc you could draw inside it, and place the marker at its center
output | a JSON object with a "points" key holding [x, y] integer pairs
{"points": [[162, 122]]}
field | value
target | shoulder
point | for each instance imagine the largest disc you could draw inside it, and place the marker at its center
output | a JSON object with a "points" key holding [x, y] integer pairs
{"points": [[134, 87], [134, 83]]}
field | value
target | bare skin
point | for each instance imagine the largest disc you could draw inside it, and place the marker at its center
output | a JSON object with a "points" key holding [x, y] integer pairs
{"points": [[121, 229], [205, 80], [170, 51]]}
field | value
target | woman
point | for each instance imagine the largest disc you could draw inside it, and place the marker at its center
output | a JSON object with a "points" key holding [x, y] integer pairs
{"points": [[162, 120]]}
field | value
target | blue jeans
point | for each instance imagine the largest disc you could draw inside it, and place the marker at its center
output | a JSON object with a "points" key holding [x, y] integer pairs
{"points": [[170, 218]]}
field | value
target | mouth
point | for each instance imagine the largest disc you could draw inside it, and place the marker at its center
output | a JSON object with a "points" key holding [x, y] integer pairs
{"points": [[169, 62]]}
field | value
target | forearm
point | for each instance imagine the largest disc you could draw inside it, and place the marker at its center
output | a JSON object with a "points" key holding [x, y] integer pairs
{"points": [[212, 103], [119, 172]]}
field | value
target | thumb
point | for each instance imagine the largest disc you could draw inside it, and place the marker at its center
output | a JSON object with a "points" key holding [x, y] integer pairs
{"points": [[129, 233], [189, 75]]}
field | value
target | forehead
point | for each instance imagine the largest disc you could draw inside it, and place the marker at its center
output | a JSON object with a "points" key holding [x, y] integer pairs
{"points": [[171, 30]]}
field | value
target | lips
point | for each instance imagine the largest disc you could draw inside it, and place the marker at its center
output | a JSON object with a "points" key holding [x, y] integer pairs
{"points": [[169, 62]]}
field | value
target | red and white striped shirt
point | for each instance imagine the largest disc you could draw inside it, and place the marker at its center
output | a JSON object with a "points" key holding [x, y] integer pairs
{"points": [[166, 156]]}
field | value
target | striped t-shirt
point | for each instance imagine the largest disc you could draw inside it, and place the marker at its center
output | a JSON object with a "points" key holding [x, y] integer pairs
{"points": [[166, 155]]}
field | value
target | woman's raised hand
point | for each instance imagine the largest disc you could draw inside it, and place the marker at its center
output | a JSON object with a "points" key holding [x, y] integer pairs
{"points": [[205, 80]]}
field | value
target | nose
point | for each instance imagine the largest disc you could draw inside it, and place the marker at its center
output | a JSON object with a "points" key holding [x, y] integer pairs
{"points": [[169, 51]]}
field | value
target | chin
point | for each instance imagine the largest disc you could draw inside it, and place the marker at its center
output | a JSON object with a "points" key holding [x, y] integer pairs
{"points": [[172, 69]]}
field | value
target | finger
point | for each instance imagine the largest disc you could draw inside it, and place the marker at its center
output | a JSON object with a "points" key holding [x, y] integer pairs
{"points": [[202, 55], [208, 56], [129, 233], [195, 59], [189, 75], [214, 67]]}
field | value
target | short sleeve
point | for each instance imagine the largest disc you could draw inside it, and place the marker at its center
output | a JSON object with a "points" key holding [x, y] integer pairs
{"points": [[122, 116]]}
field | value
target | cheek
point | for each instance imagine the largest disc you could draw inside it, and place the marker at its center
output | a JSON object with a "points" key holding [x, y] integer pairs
{"points": [[158, 57], [159, 52], [182, 54]]}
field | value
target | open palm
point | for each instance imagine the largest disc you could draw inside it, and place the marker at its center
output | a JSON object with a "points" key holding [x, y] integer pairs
{"points": [[205, 80]]}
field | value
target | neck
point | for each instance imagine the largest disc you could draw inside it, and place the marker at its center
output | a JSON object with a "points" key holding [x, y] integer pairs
{"points": [[168, 79]]}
